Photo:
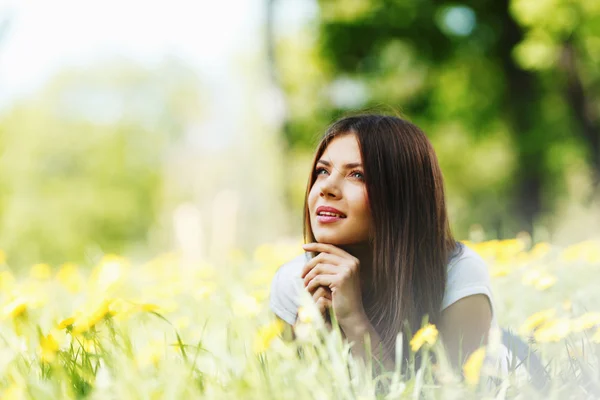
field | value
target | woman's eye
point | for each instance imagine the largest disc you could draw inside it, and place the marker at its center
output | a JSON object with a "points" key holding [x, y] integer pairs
{"points": [[319, 171], [358, 175]]}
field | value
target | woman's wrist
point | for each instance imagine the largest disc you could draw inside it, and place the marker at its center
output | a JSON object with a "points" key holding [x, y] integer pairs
{"points": [[355, 325]]}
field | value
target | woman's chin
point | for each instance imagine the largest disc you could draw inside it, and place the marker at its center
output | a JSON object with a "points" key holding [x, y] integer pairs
{"points": [[335, 240]]}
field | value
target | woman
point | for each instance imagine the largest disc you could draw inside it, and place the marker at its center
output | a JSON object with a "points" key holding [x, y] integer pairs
{"points": [[379, 250]]}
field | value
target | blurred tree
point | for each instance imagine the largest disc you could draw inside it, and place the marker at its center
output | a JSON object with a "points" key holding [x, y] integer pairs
{"points": [[81, 163], [459, 70]]}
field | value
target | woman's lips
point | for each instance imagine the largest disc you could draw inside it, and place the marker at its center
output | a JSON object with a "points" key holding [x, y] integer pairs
{"points": [[328, 219]]}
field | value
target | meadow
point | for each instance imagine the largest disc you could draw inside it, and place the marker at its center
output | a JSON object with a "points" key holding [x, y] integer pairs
{"points": [[176, 327]]}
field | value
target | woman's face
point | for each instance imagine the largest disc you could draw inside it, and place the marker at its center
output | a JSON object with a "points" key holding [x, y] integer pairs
{"points": [[337, 202]]}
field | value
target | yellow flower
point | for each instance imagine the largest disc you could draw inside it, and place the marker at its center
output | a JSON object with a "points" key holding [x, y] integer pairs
{"points": [[148, 307], [266, 334], [151, 354], [245, 305], [586, 321], [545, 282], [205, 290], [535, 320], [15, 308], [531, 277], [596, 337], [111, 270], [40, 271], [65, 323], [49, 347], [540, 250], [14, 392], [427, 334], [553, 331], [472, 367], [87, 321], [7, 280], [68, 275], [499, 270], [304, 315]]}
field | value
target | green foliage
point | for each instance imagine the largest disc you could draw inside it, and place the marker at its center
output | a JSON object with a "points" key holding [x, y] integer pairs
{"points": [[486, 76], [81, 165]]}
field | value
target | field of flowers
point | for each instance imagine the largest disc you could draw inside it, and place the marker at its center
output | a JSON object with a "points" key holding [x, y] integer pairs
{"points": [[179, 328]]}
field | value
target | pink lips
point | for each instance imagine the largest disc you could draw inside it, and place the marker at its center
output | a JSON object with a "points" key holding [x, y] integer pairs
{"points": [[327, 219]]}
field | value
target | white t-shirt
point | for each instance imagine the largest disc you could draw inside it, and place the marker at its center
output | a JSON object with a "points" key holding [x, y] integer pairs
{"points": [[467, 275]]}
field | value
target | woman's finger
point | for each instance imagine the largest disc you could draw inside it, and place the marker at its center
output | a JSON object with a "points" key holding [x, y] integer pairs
{"points": [[326, 248], [321, 291], [320, 269], [323, 258], [321, 280], [323, 304]]}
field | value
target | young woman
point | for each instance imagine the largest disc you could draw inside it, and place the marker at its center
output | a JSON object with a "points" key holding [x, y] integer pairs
{"points": [[379, 250]]}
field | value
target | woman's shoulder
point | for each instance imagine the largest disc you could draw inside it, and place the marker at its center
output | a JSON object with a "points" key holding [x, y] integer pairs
{"points": [[465, 256], [292, 268], [285, 288], [467, 274]]}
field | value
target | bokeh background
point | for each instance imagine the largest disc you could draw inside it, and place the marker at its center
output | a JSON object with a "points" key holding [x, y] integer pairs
{"points": [[137, 127]]}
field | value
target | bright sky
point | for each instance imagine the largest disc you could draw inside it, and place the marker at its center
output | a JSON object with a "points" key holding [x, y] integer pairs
{"points": [[45, 36]]}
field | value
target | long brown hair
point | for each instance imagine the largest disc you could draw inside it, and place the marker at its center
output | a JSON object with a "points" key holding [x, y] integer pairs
{"points": [[412, 241]]}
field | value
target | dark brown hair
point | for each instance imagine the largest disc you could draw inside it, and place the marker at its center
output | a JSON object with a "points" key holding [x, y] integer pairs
{"points": [[412, 241]]}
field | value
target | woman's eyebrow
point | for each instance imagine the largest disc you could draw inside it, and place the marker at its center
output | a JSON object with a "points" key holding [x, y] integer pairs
{"points": [[349, 165]]}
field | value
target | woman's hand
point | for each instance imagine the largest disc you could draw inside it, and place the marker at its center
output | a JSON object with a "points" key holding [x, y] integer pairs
{"points": [[322, 298], [338, 271]]}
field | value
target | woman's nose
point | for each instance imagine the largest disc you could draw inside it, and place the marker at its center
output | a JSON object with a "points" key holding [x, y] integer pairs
{"points": [[329, 189]]}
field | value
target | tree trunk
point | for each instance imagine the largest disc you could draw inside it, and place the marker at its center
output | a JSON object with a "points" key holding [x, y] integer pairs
{"points": [[521, 105], [581, 108]]}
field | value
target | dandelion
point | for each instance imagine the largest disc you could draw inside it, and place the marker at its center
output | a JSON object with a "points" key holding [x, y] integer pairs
{"points": [[66, 323], [596, 336], [427, 334], [266, 334], [85, 322], [472, 367], [48, 348], [553, 331], [40, 271], [7, 280], [151, 354], [535, 320], [540, 250], [68, 275], [531, 277], [205, 290], [15, 308], [246, 306], [304, 315], [149, 307], [498, 271], [545, 282], [586, 321], [14, 392], [110, 271]]}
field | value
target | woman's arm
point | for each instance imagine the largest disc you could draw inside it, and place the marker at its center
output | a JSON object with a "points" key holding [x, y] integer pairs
{"points": [[464, 327], [355, 330]]}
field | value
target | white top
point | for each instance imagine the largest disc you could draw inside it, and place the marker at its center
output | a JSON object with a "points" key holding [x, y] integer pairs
{"points": [[467, 275]]}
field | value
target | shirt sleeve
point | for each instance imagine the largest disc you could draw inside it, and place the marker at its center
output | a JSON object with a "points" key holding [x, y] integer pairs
{"points": [[468, 276], [283, 299]]}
